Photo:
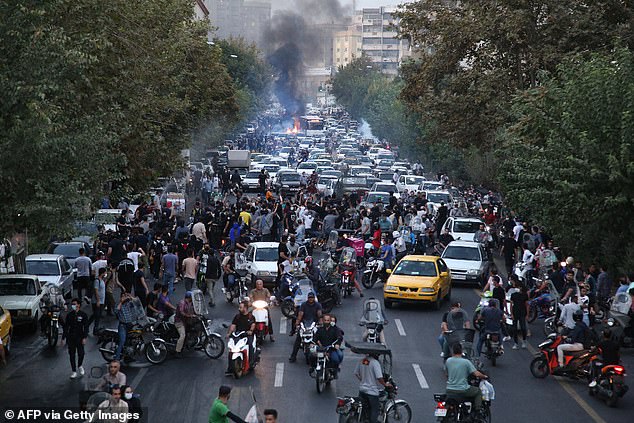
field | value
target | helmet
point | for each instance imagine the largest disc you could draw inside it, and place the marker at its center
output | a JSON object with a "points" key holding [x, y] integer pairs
{"points": [[570, 261], [188, 294], [577, 316], [308, 260], [396, 234]]}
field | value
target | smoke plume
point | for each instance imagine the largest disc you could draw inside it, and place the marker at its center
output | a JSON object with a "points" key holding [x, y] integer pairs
{"points": [[291, 40]]}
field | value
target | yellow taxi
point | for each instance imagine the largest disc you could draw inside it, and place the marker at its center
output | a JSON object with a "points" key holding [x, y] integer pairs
{"points": [[5, 328], [418, 279]]}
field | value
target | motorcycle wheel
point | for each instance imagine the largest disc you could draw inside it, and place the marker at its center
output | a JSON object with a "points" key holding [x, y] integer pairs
{"points": [[368, 281], [398, 412], [320, 380], [288, 309], [549, 328], [237, 368], [53, 333], [539, 367], [214, 346], [156, 352], [532, 314], [111, 346]]}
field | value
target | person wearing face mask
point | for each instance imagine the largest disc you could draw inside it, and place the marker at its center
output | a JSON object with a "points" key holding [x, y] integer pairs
{"points": [[76, 333], [134, 403]]}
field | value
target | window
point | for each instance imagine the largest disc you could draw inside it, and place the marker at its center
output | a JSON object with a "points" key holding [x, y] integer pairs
{"points": [[266, 254], [42, 268], [416, 268], [461, 253], [442, 266]]}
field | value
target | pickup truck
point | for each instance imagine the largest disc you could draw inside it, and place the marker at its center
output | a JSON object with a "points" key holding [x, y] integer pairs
{"points": [[21, 295]]}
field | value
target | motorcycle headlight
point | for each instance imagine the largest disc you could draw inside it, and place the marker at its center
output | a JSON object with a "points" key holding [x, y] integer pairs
{"points": [[259, 304], [390, 288], [610, 322]]}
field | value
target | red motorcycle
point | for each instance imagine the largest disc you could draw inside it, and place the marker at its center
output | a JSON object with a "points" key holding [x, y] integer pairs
{"points": [[577, 364]]}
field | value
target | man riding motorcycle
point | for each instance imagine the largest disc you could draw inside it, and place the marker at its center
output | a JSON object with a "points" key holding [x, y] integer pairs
{"points": [[578, 337], [492, 318], [350, 266], [260, 293], [184, 313], [309, 311], [329, 334], [242, 322], [458, 371], [455, 319]]}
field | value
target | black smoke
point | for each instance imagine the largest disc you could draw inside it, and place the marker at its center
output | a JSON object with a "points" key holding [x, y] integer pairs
{"points": [[291, 39]]}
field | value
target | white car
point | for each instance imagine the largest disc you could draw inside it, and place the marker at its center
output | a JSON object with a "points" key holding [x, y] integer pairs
{"points": [[327, 185], [462, 228], [307, 167], [435, 198], [108, 218], [467, 261], [251, 180], [21, 295], [430, 185], [52, 269], [285, 152], [261, 261], [385, 187], [409, 183]]}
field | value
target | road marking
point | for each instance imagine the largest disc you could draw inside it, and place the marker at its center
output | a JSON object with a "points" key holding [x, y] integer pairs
{"points": [[139, 377], [573, 394], [421, 378], [283, 322], [399, 326], [279, 375]]}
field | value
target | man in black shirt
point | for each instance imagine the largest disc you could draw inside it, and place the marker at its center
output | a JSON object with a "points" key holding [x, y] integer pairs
{"points": [[441, 216], [116, 249], [309, 311], [76, 333], [508, 251], [282, 254], [242, 322]]}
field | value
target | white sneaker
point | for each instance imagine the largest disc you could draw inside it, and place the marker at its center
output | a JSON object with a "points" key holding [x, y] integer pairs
{"points": [[506, 339], [73, 375], [442, 354], [515, 347], [524, 344], [81, 371], [592, 384]]}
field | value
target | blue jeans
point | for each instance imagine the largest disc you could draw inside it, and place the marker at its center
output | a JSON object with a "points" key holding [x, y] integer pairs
{"points": [[336, 357], [168, 279], [123, 333]]}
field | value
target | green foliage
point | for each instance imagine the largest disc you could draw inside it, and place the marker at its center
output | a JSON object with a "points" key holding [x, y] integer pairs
{"points": [[97, 92], [351, 83], [568, 160], [476, 56]]}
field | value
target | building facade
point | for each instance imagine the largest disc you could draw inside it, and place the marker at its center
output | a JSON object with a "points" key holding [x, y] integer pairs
{"points": [[240, 19], [379, 38], [347, 45]]}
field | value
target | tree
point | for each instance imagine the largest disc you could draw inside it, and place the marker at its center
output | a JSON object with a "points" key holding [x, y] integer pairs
{"points": [[98, 92], [568, 158], [351, 83], [475, 56]]}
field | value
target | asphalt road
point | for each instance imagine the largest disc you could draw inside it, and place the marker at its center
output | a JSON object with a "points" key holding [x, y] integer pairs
{"points": [[182, 390]]}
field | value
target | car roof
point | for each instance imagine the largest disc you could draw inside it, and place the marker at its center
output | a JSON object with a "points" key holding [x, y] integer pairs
{"points": [[81, 243], [467, 219], [263, 244], [418, 257], [43, 257], [469, 244], [379, 192]]}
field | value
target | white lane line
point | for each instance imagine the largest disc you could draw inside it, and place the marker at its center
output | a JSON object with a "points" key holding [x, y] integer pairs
{"points": [[283, 321], [399, 326], [139, 377], [279, 375], [421, 378]]}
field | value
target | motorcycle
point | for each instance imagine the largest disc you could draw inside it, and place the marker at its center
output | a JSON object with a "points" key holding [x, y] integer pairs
{"points": [[353, 409], [239, 289], [374, 273], [328, 294], [294, 293], [241, 358], [261, 316], [324, 372], [198, 336], [576, 363], [51, 305], [452, 408], [347, 263], [140, 341], [493, 346], [307, 344], [610, 383], [618, 322]]}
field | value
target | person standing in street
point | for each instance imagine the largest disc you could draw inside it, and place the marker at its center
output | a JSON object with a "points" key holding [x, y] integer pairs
{"points": [[219, 411], [168, 266], [140, 286], [190, 270], [184, 313], [370, 375], [98, 300], [83, 265], [76, 333]]}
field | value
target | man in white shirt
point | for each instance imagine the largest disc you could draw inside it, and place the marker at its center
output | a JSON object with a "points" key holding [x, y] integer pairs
{"points": [[567, 312], [99, 263], [134, 256]]}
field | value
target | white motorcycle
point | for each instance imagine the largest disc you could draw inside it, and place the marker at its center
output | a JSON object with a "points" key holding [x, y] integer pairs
{"points": [[242, 360], [373, 273], [261, 316], [307, 336]]}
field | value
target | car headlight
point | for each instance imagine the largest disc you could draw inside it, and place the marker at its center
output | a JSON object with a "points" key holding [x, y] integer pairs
{"points": [[24, 313], [428, 290], [263, 273], [472, 272], [390, 288]]}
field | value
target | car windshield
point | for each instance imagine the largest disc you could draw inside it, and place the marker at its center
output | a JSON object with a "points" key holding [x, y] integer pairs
{"points": [[67, 250], [306, 165], [374, 197], [437, 197], [252, 175], [359, 170], [430, 185], [266, 254], [289, 177], [106, 218], [415, 268], [385, 187], [272, 168], [17, 286], [42, 268], [461, 253], [469, 227], [354, 181], [413, 180]]}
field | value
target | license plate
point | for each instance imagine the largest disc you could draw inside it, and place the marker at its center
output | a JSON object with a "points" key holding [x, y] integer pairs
{"points": [[440, 412], [407, 294]]}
